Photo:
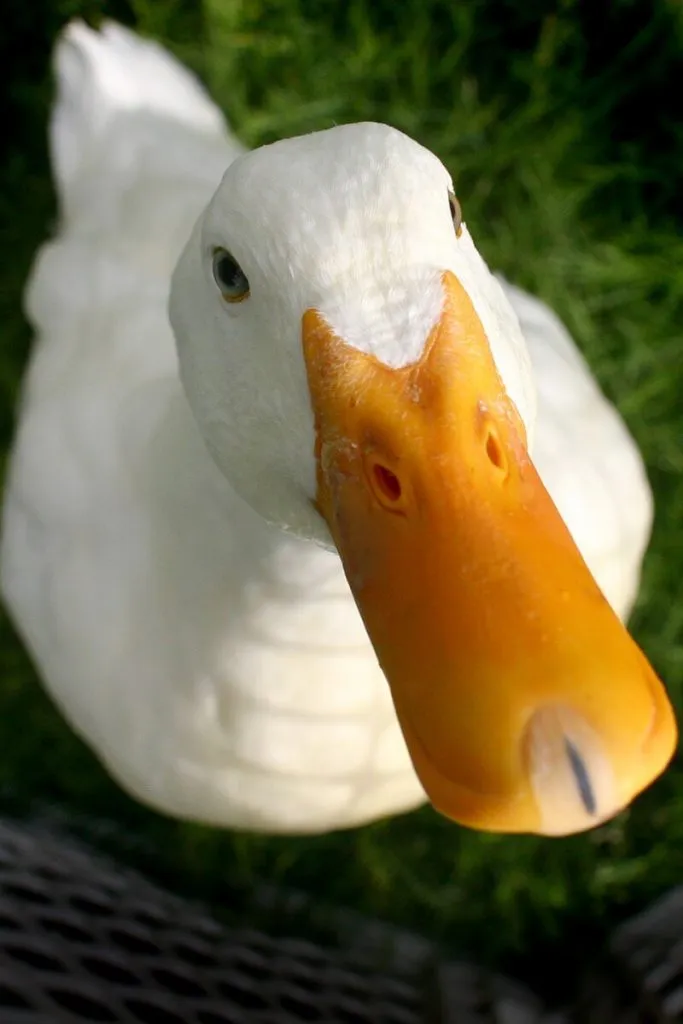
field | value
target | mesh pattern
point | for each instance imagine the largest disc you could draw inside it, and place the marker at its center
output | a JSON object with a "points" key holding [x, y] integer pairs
{"points": [[82, 940], [642, 982], [649, 950]]}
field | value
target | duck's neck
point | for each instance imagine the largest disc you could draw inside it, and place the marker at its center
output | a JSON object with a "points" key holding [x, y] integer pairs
{"points": [[231, 568], [249, 652]]}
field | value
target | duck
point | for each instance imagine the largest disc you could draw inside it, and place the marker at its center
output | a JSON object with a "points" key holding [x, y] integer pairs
{"points": [[310, 517]]}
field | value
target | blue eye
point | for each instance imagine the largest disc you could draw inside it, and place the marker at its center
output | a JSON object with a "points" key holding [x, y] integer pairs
{"points": [[229, 276]]}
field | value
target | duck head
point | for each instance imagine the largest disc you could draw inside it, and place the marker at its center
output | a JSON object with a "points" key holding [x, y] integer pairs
{"points": [[360, 378]]}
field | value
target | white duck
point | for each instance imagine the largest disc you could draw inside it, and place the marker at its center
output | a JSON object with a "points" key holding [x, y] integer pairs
{"points": [[361, 380]]}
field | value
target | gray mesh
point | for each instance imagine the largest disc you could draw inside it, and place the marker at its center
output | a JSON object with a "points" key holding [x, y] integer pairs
{"points": [[641, 979], [84, 940]]}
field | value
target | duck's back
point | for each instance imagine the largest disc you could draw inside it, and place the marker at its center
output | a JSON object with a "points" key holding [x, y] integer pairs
{"points": [[585, 455], [136, 150]]}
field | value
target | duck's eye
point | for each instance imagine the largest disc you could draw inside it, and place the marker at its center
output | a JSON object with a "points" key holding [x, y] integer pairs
{"points": [[456, 214], [229, 276]]}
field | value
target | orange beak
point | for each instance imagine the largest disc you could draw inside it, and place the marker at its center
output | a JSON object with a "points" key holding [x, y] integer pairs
{"points": [[525, 704]]}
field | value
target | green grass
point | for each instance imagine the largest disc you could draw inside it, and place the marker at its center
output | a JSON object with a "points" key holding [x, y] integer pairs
{"points": [[572, 196]]}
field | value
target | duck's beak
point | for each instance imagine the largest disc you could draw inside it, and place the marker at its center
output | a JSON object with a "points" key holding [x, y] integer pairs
{"points": [[525, 704]]}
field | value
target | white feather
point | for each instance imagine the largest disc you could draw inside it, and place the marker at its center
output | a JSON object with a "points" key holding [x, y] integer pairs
{"points": [[217, 663]]}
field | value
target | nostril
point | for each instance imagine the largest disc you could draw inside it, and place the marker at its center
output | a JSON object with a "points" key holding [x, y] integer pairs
{"points": [[494, 450], [387, 487], [387, 483]]}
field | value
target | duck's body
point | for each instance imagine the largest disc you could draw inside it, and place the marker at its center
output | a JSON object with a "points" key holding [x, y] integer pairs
{"points": [[217, 663]]}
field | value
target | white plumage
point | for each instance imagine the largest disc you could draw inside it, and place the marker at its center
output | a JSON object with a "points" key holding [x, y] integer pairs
{"points": [[218, 664]]}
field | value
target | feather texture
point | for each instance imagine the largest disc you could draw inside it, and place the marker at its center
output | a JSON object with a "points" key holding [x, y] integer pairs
{"points": [[218, 665]]}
